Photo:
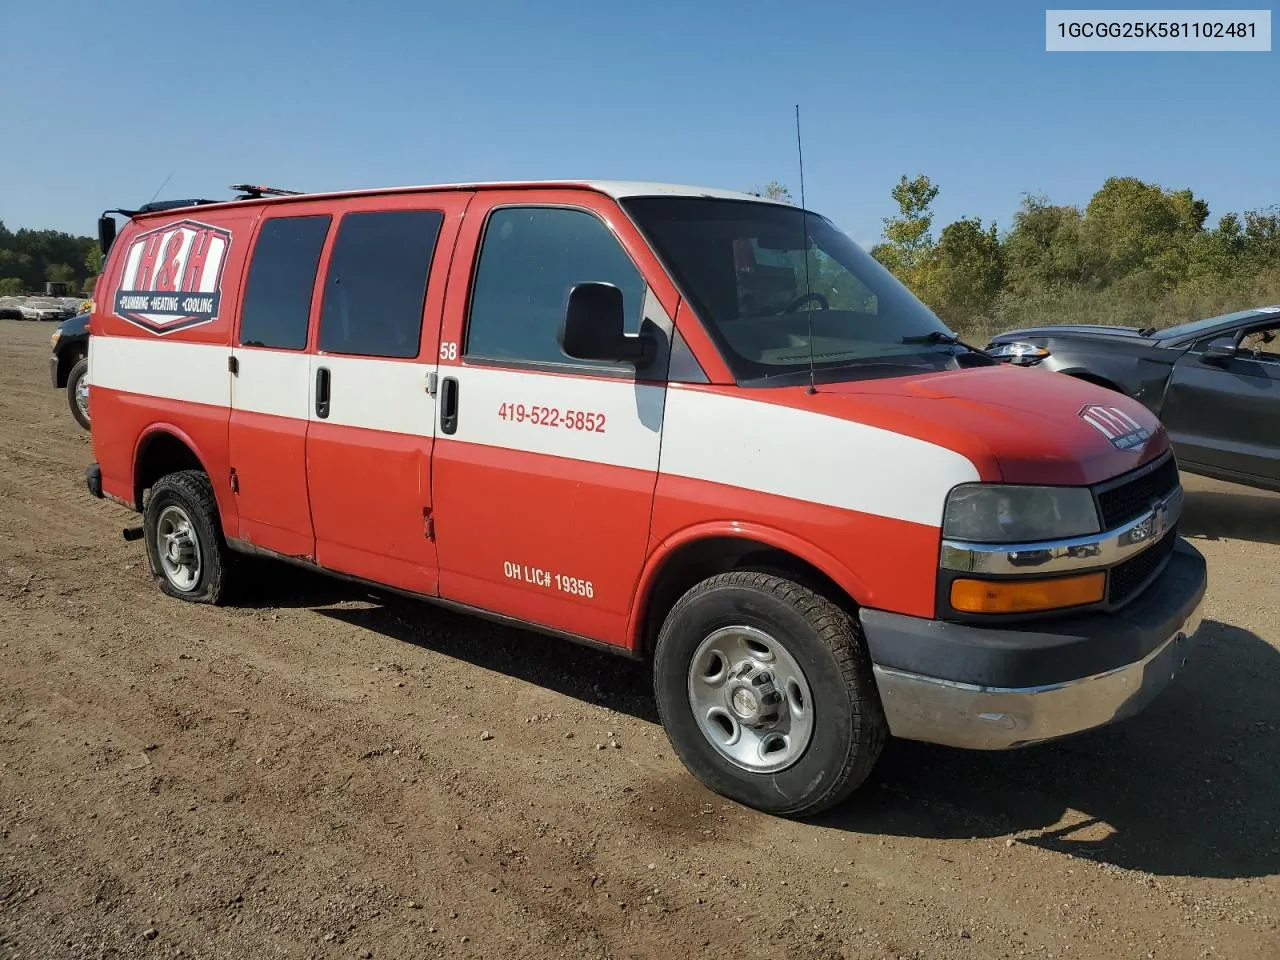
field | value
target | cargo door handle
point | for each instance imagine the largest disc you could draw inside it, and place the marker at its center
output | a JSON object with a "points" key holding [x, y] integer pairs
{"points": [[449, 405], [322, 392]]}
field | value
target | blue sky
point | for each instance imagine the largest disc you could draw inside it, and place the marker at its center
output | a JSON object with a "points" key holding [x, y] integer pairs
{"points": [[114, 97]]}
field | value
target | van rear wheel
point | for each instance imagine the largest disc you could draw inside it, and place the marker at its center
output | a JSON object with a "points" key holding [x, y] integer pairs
{"points": [[766, 693], [185, 546]]}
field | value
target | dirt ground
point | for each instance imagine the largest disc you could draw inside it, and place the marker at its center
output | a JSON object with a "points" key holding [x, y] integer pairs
{"points": [[322, 772]]}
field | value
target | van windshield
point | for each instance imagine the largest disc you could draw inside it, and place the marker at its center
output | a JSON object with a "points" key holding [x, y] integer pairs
{"points": [[742, 265]]}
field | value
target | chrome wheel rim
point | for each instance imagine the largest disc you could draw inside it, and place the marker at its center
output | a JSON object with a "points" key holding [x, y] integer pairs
{"points": [[82, 396], [179, 548], [751, 699]]}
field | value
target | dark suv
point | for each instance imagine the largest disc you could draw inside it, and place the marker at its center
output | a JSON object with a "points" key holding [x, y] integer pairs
{"points": [[70, 363]]}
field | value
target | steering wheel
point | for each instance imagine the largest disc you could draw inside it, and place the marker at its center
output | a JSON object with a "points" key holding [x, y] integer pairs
{"points": [[805, 297]]}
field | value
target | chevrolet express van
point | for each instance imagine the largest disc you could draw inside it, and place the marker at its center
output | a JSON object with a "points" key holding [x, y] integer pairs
{"points": [[692, 426]]}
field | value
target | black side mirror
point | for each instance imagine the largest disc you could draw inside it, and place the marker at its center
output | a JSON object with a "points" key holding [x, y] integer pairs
{"points": [[592, 328], [106, 233], [1219, 351]]}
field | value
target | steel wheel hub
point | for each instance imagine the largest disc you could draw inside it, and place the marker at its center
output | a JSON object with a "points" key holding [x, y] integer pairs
{"points": [[178, 548], [751, 699]]}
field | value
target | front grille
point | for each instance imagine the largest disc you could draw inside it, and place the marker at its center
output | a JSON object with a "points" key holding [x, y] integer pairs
{"points": [[1129, 577], [1130, 499]]}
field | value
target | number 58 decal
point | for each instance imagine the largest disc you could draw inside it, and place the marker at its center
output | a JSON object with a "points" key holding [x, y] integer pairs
{"points": [[449, 350]]}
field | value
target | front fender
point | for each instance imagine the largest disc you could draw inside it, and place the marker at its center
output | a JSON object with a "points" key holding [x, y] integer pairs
{"points": [[756, 533]]}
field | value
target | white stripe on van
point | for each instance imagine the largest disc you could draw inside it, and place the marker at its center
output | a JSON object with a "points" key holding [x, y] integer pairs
{"points": [[194, 372], [731, 440], [632, 415], [375, 394], [808, 456]]}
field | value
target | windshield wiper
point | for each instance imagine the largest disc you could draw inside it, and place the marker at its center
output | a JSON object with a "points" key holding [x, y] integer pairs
{"points": [[937, 336]]}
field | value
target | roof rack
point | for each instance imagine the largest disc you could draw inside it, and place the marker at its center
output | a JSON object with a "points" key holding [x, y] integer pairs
{"points": [[155, 205], [249, 191]]}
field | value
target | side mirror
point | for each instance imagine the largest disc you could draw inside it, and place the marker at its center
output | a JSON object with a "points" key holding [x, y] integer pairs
{"points": [[592, 328], [106, 233], [1219, 351]]}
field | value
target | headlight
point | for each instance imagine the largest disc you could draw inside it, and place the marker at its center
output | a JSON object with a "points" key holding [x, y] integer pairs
{"points": [[996, 513], [53, 341], [1019, 353]]}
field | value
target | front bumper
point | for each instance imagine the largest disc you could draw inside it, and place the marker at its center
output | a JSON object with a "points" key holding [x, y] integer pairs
{"points": [[987, 688]]}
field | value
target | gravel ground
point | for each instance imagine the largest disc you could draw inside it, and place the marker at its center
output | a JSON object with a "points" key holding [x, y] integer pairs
{"points": [[324, 772]]}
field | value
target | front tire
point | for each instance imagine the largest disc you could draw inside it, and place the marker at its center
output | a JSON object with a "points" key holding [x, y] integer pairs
{"points": [[765, 690], [78, 392], [185, 546]]}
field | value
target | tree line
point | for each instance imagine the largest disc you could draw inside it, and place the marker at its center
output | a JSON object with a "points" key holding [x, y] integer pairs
{"points": [[29, 258], [1137, 253]]}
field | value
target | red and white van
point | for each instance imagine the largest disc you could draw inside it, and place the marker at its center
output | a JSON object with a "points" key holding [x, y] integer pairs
{"points": [[692, 426]]}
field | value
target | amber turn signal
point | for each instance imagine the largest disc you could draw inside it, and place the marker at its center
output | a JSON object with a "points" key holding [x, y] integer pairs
{"points": [[1026, 596]]}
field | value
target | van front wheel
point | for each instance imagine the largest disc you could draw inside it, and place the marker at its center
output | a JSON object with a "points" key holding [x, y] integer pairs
{"points": [[766, 693]]}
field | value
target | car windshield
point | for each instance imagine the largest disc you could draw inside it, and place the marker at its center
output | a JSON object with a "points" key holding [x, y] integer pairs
{"points": [[1195, 326], [761, 277]]}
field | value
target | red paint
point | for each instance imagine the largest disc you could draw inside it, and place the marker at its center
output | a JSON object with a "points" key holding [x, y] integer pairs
{"points": [[269, 455], [880, 562], [581, 520], [129, 422], [369, 491]]}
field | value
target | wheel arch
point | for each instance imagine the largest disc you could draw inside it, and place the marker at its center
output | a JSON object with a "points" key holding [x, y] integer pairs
{"points": [[162, 448], [694, 554]]}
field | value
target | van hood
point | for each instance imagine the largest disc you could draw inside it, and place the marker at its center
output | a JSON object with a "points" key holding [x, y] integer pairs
{"points": [[1015, 425]]}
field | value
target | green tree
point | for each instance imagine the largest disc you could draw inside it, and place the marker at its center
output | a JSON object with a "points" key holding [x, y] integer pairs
{"points": [[93, 261], [1216, 254], [10, 286], [966, 272], [1044, 249], [908, 243], [1131, 225], [1261, 239]]}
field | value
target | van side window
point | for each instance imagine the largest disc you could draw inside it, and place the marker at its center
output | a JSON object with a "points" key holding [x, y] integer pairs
{"points": [[530, 258], [377, 282], [282, 275]]}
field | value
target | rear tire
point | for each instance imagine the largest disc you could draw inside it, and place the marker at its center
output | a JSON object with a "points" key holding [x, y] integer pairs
{"points": [[740, 633], [188, 554], [75, 382]]}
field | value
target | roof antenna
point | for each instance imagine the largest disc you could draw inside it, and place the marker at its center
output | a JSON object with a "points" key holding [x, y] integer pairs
{"points": [[804, 251], [163, 185]]}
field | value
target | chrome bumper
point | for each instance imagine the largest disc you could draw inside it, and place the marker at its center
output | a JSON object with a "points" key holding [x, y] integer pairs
{"points": [[999, 718]]}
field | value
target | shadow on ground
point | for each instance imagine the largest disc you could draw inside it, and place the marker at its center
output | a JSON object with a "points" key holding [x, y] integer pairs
{"points": [[1187, 788], [583, 673], [1230, 513]]}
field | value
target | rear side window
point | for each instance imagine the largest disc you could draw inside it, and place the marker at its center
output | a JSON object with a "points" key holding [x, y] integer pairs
{"points": [[530, 259], [373, 296], [282, 275]]}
